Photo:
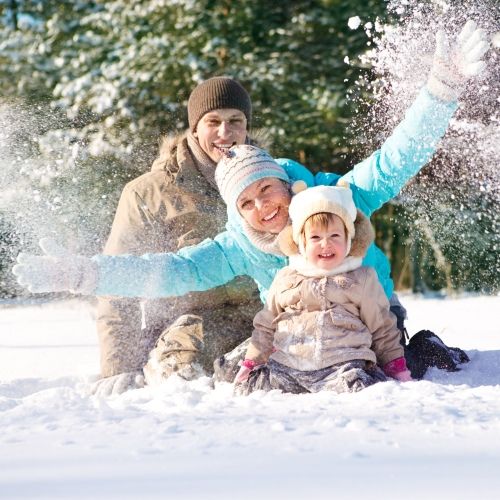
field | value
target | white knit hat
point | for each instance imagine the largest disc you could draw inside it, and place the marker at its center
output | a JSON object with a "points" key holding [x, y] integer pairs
{"points": [[243, 165], [331, 199]]}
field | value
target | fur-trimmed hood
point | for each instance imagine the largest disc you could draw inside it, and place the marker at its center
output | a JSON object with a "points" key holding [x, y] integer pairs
{"points": [[169, 143], [167, 151]]}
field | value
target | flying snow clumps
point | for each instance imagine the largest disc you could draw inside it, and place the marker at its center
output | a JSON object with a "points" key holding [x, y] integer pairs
{"points": [[354, 22], [462, 182]]}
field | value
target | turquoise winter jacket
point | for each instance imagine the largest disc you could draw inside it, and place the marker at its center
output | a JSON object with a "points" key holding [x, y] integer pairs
{"points": [[212, 263]]}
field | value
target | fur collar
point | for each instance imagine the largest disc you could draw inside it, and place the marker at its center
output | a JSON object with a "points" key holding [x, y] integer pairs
{"points": [[170, 142], [300, 264]]}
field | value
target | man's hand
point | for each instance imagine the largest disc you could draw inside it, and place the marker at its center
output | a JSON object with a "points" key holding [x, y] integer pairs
{"points": [[57, 270]]}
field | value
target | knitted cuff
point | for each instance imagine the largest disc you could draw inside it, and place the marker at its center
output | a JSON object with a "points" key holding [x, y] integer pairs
{"points": [[441, 90], [86, 276], [395, 366]]}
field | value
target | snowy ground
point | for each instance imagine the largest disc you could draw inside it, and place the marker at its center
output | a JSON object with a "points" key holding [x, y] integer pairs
{"points": [[439, 437]]}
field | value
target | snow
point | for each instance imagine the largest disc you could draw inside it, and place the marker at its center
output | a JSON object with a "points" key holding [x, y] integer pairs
{"points": [[354, 22], [439, 437]]}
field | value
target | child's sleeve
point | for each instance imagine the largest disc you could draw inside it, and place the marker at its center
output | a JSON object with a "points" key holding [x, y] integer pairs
{"points": [[261, 343], [201, 267], [376, 315], [411, 145]]}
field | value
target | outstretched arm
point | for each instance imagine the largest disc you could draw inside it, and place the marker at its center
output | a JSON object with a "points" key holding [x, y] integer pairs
{"points": [[207, 265], [381, 176]]}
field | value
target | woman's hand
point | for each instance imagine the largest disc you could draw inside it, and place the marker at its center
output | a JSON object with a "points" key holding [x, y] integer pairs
{"points": [[57, 270], [457, 61]]}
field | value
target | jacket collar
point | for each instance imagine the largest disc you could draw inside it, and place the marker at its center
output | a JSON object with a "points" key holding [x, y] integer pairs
{"points": [[300, 264]]}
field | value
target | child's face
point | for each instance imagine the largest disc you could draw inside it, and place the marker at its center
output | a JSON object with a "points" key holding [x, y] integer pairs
{"points": [[264, 205], [325, 247]]}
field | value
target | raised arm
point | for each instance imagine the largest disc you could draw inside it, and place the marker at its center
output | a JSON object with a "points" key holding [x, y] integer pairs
{"points": [[414, 141], [381, 176]]}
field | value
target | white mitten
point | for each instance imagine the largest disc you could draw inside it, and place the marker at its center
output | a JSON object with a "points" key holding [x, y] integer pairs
{"points": [[117, 384], [56, 271], [456, 62]]}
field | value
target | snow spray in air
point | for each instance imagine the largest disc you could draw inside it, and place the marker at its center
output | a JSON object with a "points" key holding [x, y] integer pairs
{"points": [[51, 184], [454, 203]]}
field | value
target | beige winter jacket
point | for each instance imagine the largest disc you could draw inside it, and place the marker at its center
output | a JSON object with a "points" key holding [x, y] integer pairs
{"points": [[172, 206], [311, 323]]}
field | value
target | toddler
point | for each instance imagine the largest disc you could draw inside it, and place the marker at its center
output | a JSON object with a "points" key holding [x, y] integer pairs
{"points": [[327, 323]]}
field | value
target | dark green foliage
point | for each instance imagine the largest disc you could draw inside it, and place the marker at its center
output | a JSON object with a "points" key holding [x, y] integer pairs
{"points": [[133, 63], [455, 248]]}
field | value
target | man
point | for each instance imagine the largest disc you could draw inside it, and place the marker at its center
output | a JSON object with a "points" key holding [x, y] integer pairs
{"points": [[174, 205]]}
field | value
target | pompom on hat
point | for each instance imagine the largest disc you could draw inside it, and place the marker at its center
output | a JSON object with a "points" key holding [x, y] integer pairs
{"points": [[242, 166], [220, 92]]}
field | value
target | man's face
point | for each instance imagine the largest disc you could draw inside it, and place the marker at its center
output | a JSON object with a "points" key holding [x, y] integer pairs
{"points": [[264, 205], [220, 129]]}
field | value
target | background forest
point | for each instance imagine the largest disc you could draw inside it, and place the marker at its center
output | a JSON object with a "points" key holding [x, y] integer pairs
{"points": [[87, 89]]}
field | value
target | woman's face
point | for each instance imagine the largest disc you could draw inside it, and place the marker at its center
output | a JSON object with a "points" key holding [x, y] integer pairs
{"points": [[264, 204]]}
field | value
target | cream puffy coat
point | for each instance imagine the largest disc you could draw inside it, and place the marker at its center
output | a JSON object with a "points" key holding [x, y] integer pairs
{"points": [[310, 323]]}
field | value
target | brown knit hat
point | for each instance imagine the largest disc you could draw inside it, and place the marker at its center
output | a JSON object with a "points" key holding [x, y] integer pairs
{"points": [[218, 93]]}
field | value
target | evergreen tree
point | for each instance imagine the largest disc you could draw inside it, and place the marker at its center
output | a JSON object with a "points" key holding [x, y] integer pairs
{"points": [[88, 87], [124, 69]]}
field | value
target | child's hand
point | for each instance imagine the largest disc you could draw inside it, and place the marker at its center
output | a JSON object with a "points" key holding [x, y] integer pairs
{"points": [[246, 368], [57, 270], [456, 62], [397, 369], [404, 376]]}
